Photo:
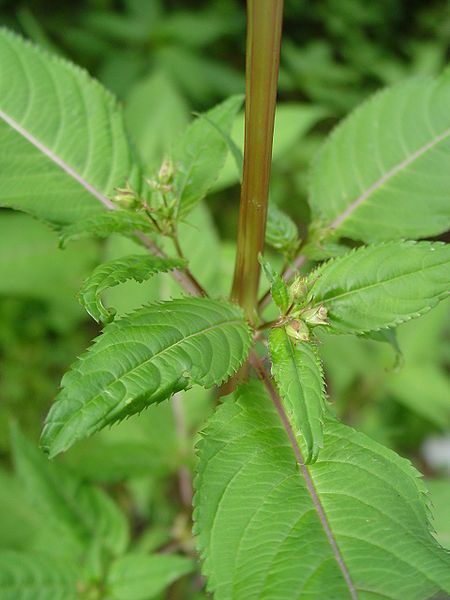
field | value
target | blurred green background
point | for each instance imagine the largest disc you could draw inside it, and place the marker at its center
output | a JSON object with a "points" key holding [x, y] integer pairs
{"points": [[165, 60]]}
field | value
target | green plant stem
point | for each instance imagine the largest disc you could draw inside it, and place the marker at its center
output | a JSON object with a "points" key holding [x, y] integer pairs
{"points": [[263, 53]]}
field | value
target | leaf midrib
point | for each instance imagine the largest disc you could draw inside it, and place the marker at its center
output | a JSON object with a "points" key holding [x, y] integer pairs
{"points": [[372, 285], [398, 168], [159, 353]]}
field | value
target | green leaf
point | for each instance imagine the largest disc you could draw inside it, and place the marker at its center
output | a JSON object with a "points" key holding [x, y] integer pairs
{"points": [[140, 577], [64, 147], [380, 286], [278, 287], [30, 576], [200, 154], [297, 371], [144, 358], [383, 174], [136, 266], [423, 389], [439, 494], [78, 509], [104, 224], [281, 231], [352, 525], [32, 266]]}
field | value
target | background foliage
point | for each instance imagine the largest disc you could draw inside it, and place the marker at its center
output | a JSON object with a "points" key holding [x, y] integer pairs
{"points": [[165, 60]]}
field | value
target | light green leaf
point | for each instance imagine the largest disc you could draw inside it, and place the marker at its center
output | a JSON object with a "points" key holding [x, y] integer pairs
{"points": [[32, 266], [78, 509], [354, 525], [200, 154], [155, 113], [140, 577], [297, 371], [31, 577], [64, 147], [104, 224], [292, 122], [144, 358], [439, 495], [424, 389], [136, 266], [384, 172], [281, 231], [380, 286]]}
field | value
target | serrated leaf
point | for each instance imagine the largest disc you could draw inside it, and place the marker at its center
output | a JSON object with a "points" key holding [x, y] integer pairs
{"points": [[298, 374], [78, 509], [281, 231], [439, 495], [105, 224], [136, 266], [352, 525], [64, 147], [140, 577], [200, 154], [383, 174], [145, 358], [380, 286], [26, 576]]}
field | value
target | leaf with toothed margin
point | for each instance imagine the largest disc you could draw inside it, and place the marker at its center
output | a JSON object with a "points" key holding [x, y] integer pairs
{"points": [[64, 147], [139, 267], [381, 286], [144, 358], [352, 526], [298, 374], [125, 222], [383, 174], [26, 576]]}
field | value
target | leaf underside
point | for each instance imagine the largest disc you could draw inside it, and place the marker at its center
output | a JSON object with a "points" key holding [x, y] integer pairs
{"points": [[352, 526], [64, 147], [384, 172], [381, 286], [144, 358]]}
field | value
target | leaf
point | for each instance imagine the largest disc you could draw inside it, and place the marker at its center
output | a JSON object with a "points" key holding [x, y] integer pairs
{"points": [[278, 287], [297, 371], [380, 286], [29, 576], [64, 147], [439, 495], [144, 358], [383, 173], [136, 266], [425, 390], [292, 122], [281, 231], [155, 113], [78, 509], [31, 266], [200, 154], [105, 224], [352, 525], [140, 577]]}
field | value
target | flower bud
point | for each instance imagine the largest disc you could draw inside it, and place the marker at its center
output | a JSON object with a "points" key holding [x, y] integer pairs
{"points": [[298, 330], [126, 197], [316, 315], [298, 289], [166, 172]]}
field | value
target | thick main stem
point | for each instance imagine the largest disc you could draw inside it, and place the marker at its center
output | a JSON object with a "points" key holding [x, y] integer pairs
{"points": [[263, 54]]}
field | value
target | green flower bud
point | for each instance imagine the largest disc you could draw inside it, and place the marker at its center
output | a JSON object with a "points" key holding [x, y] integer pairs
{"points": [[166, 172], [298, 289], [126, 197], [316, 315], [298, 330]]}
